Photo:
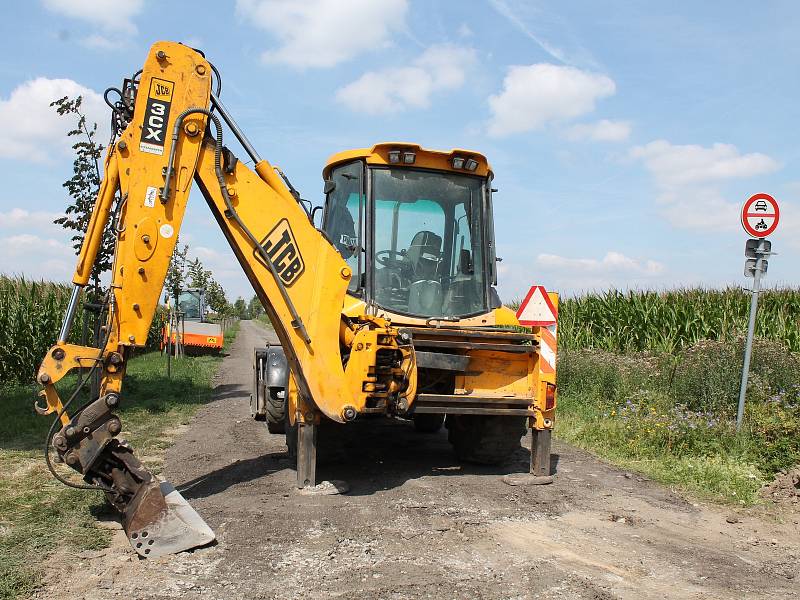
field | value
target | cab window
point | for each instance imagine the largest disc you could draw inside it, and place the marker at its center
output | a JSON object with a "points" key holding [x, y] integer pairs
{"points": [[344, 218]]}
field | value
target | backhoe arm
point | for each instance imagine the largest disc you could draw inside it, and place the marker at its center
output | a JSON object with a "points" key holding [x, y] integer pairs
{"points": [[172, 139]]}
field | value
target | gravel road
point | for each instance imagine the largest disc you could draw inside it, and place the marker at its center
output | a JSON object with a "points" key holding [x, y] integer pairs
{"points": [[417, 524]]}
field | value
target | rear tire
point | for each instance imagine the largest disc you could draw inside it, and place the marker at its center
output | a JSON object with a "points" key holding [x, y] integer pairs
{"points": [[276, 410], [485, 439], [428, 423]]}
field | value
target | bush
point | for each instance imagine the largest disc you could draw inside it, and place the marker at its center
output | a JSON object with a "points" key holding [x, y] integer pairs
{"points": [[658, 411]]}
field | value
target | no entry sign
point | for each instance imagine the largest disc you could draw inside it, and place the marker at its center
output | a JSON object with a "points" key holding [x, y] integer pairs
{"points": [[760, 215]]}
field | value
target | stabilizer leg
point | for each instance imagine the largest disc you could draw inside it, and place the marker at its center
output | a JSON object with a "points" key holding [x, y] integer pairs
{"points": [[306, 454], [540, 452], [540, 461]]}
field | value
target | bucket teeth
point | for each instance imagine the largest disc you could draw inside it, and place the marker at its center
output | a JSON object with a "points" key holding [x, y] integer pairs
{"points": [[160, 521]]}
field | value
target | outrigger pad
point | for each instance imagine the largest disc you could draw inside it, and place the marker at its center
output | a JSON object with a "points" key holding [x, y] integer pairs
{"points": [[160, 521]]}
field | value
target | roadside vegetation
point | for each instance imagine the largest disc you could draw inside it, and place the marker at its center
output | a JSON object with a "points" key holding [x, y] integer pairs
{"points": [[650, 381], [38, 515]]}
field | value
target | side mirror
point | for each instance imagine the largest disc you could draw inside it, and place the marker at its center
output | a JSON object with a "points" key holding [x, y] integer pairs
{"points": [[313, 215], [330, 185]]}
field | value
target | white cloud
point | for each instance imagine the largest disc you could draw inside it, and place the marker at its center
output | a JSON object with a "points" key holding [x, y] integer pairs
{"points": [[601, 131], [30, 129], [204, 253], [678, 165], [36, 257], [99, 42], [536, 95], [613, 263], [689, 179], [21, 218], [25, 244], [113, 16], [440, 68], [465, 30], [323, 33]]}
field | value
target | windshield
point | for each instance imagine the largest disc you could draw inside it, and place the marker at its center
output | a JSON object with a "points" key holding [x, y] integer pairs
{"points": [[428, 245], [189, 305]]}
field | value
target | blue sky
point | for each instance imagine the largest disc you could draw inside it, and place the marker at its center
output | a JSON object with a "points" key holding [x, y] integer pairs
{"points": [[624, 136]]}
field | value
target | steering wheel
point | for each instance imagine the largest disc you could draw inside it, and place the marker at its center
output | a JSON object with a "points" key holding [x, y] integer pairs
{"points": [[387, 258]]}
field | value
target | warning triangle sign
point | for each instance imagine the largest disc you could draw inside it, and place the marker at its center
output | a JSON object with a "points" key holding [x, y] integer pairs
{"points": [[537, 309]]}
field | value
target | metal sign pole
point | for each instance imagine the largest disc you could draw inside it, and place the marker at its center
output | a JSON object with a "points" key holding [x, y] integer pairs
{"points": [[751, 326]]}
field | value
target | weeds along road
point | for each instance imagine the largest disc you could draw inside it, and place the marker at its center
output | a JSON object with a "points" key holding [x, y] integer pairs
{"points": [[417, 524]]}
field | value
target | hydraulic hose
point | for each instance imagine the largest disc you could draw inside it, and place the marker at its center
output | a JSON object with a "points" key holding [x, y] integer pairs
{"points": [[230, 211]]}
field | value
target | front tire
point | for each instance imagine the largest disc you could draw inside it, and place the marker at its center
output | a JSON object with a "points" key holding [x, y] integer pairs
{"points": [[485, 439]]}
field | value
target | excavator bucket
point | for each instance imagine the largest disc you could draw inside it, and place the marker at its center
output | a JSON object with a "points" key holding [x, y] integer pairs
{"points": [[160, 521]]}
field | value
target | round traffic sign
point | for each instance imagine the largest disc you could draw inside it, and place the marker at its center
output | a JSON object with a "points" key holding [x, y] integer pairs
{"points": [[760, 215]]}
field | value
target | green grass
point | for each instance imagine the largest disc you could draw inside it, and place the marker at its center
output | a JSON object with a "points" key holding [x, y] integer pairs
{"points": [[672, 417], [39, 515]]}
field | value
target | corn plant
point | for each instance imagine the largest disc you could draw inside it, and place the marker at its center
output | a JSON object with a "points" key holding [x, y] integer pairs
{"points": [[668, 321], [31, 313]]}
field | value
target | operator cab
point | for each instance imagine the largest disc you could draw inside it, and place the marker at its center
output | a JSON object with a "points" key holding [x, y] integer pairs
{"points": [[192, 305], [415, 226]]}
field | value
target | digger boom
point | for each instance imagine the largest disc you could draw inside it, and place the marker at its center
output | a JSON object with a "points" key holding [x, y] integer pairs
{"points": [[297, 274]]}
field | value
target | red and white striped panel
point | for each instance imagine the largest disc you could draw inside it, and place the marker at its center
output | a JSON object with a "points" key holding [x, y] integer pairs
{"points": [[548, 349]]}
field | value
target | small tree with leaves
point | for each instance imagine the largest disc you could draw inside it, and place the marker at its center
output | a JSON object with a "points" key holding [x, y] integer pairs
{"points": [[240, 308], [174, 282], [215, 297], [84, 184], [255, 308], [198, 276]]}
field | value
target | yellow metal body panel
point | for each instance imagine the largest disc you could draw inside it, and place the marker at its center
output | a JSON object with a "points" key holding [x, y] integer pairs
{"points": [[502, 316]]}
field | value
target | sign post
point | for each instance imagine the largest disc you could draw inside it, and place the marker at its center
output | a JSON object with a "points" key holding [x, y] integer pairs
{"points": [[760, 216]]}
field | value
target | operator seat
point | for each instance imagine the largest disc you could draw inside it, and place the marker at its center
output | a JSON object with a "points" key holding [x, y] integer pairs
{"points": [[424, 256]]}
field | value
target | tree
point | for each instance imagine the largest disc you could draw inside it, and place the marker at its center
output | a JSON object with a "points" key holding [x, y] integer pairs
{"points": [[198, 276], [83, 186], [240, 308], [254, 308], [215, 297], [174, 282]]}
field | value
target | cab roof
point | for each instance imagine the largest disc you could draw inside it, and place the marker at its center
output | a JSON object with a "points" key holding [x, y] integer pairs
{"points": [[441, 160]]}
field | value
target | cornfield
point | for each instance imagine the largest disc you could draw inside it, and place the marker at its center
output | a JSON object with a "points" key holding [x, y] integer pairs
{"points": [[31, 313], [671, 320], [30, 318]]}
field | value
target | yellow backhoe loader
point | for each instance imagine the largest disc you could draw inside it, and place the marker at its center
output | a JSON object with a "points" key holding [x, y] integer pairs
{"points": [[388, 308]]}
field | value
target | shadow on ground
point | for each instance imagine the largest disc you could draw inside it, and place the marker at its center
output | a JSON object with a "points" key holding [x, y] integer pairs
{"points": [[371, 455]]}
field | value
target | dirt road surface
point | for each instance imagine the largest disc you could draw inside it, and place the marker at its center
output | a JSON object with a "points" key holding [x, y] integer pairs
{"points": [[417, 524]]}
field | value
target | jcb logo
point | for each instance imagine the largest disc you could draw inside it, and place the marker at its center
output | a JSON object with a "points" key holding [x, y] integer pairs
{"points": [[281, 248], [156, 115]]}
